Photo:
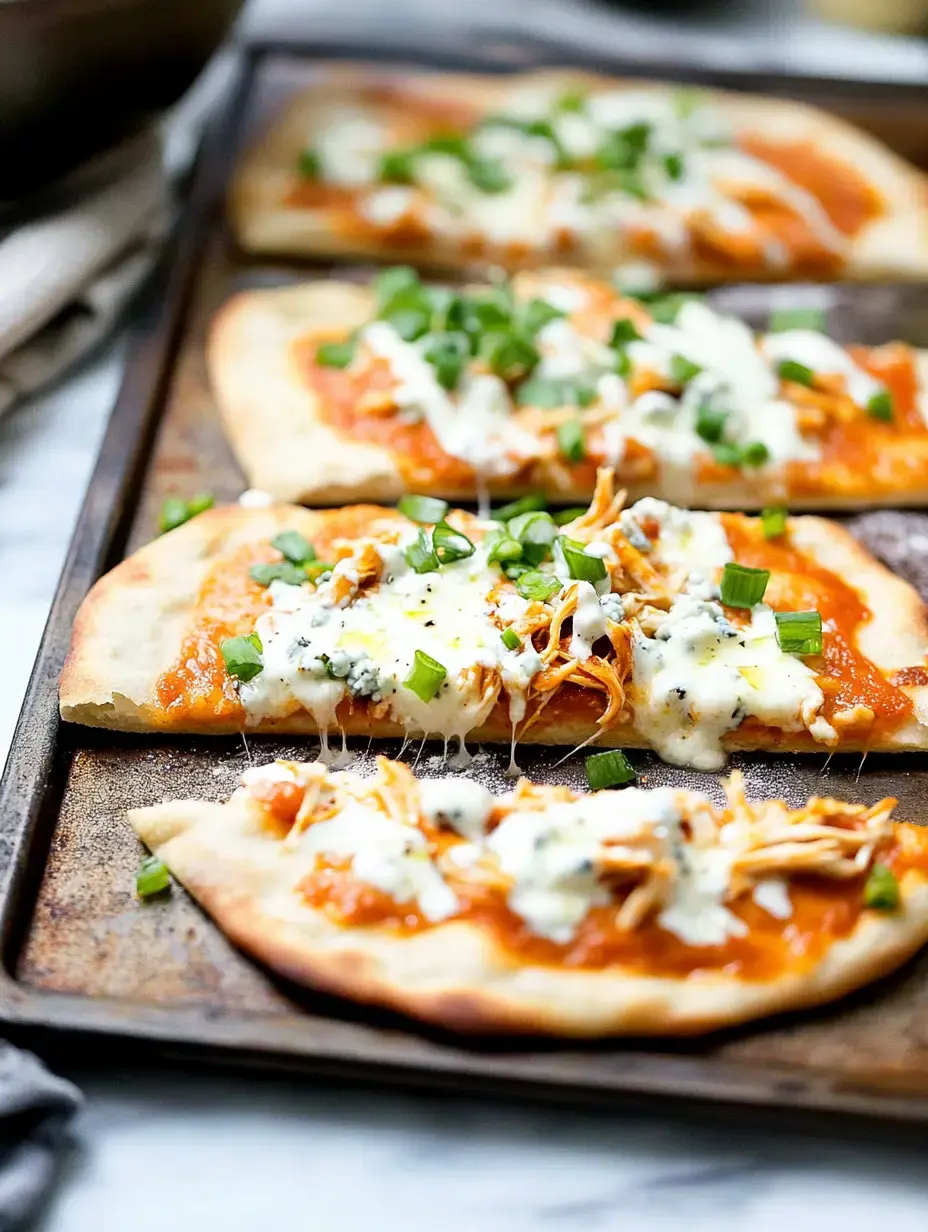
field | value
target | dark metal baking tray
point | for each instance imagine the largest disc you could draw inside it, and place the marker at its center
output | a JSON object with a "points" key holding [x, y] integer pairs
{"points": [[81, 955]]}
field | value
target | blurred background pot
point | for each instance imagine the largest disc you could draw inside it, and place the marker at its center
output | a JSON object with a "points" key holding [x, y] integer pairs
{"points": [[79, 76]]}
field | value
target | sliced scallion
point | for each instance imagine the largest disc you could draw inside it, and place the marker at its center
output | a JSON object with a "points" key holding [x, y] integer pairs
{"points": [[570, 440], [800, 632], [674, 166], [525, 504], [176, 510], [510, 639], [755, 453], [426, 676], [609, 769], [420, 555], [390, 281], [242, 656], [536, 314], [294, 547], [682, 370], [309, 165], [535, 585], [427, 510], [277, 571], [792, 370], [535, 527], [710, 422], [448, 353], [488, 175], [502, 547], [880, 406], [563, 516], [398, 166], [881, 889], [743, 586], [773, 521], [152, 877], [796, 318], [580, 564], [624, 331], [727, 454], [509, 355], [335, 354], [449, 544], [316, 568]]}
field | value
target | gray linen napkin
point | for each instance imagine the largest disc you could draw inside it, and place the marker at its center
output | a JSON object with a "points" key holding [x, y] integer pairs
{"points": [[35, 1109]]}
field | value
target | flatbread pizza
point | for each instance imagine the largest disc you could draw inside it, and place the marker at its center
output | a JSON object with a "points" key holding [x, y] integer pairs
{"points": [[519, 171], [542, 910], [648, 626], [332, 392]]}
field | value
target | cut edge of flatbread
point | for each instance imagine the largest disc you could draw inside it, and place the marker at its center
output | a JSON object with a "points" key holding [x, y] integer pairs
{"points": [[893, 246], [456, 976], [130, 630]]}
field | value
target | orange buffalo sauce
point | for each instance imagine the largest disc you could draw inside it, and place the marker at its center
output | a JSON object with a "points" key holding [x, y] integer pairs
{"points": [[797, 583], [823, 911], [849, 200], [198, 688]]}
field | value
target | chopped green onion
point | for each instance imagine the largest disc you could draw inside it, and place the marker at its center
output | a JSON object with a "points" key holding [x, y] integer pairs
{"points": [[609, 769], [622, 150], [585, 395], [525, 504], [710, 422], [420, 555], [674, 166], [796, 318], [800, 632], [773, 521], [790, 370], [682, 370], [727, 454], [309, 164], [548, 392], [536, 314], [686, 101], [450, 544], [622, 365], [535, 527], [623, 332], [573, 100], [176, 511], [152, 877], [427, 510], [294, 547], [535, 585], [398, 166], [491, 310], [881, 889], [278, 571], [580, 564], [665, 306], [570, 440], [426, 676], [508, 355], [316, 568], [563, 516], [510, 639], [743, 586], [488, 175], [456, 145], [755, 453], [880, 406], [335, 354], [242, 656], [390, 281], [448, 354], [502, 547], [514, 569]]}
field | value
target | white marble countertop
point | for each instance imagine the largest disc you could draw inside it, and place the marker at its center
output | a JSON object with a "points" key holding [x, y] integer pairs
{"points": [[204, 1149]]}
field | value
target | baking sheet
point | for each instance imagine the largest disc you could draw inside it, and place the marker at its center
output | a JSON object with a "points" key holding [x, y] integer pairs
{"points": [[81, 952]]}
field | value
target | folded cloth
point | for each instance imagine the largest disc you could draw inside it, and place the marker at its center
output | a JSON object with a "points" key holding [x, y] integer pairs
{"points": [[35, 1108], [65, 276]]}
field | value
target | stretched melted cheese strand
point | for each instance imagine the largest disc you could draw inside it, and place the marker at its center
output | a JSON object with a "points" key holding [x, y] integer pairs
{"points": [[695, 677], [665, 853]]}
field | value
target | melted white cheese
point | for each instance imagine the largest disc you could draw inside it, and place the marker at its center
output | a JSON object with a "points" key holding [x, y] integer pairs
{"points": [[350, 146], [700, 676], [822, 355], [475, 425], [460, 804], [384, 853], [314, 649], [772, 896]]}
